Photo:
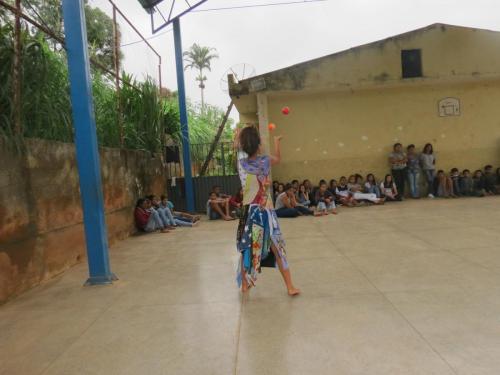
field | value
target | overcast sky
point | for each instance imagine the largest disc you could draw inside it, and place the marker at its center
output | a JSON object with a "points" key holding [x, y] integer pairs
{"points": [[274, 37]]}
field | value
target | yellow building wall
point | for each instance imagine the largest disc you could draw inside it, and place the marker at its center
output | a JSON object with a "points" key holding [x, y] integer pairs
{"points": [[449, 53], [328, 135]]}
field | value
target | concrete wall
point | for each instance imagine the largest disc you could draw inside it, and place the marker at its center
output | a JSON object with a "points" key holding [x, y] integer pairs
{"points": [[41, 231], [332, 134]]}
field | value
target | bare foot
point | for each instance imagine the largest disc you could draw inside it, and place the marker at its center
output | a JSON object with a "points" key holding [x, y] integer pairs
{"points": [[293, 292], [334, 212], [164, 231], [228, 218], [245, 287]]}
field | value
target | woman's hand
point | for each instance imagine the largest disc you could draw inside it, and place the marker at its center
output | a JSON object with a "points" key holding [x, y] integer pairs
{"points": [[278, 138]]}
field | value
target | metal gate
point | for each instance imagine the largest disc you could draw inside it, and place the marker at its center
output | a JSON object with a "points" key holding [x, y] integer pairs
{"points": [[221, 171]]}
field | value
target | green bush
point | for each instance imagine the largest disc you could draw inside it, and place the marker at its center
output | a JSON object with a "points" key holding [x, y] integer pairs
{"points": [[147, 118]]}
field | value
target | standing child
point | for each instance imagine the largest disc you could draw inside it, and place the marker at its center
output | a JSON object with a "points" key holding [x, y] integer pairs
{"points": [[428, 164], [398, 162], [389, 190], [325, 201], [413, 171], [259, 236]]}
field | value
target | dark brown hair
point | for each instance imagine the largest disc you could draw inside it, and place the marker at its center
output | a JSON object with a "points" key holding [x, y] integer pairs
{"points": [[250, 140]]}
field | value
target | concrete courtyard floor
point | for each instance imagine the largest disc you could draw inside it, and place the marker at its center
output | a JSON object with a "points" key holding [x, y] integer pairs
{"points": [[406, 288]]}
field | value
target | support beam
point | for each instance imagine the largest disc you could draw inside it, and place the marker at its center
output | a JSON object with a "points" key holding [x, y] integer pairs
{"points": [[263, 122], [181, 93], [87, 153]]}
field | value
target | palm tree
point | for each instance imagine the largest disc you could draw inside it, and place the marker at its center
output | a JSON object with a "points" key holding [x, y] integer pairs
{"points": [[199, 58]]}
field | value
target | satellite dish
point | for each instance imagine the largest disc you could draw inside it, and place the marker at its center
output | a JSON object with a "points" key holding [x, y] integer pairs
{"points": [[240, 72]]}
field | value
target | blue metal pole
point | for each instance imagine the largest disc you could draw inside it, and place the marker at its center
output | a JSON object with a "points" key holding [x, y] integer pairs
{"points": [[87, 154], [181, 92]]}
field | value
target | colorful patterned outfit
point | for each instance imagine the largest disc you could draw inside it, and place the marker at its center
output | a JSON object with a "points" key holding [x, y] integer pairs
{"points": [[258, 227]]}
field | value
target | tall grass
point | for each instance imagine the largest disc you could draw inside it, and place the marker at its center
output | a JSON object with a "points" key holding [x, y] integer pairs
{"points": [[147, 118]]}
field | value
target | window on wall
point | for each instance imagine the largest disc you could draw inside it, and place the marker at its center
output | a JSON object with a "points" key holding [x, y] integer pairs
{"points": [[411, 63]]}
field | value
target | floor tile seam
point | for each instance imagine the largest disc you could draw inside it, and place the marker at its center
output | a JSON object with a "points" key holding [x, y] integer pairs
{"points": [[403, 317], [421, 335], [315, 298], [441, 248], [48, 309], [468, 261], [183, 304], [68, 347], [238, 334]]}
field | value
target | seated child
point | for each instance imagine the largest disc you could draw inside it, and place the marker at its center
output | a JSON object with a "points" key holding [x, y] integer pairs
{"points": [[186, 219], [218, 191], [490, 181], [325, 201], [443, 185], [309, 189], [218, 208], [466, 184], [389, 190], [164, 212], [304, 198], [371, 186], [332, 188], [236, 203], [343, 194], [281, 189], [455, 179], [147, 220], [355, 188], [286, 206], [478, 184]]}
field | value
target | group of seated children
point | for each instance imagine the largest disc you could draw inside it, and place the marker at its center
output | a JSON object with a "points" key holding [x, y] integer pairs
{"points": [[224, 206], [153, 215], [465, 184], [294, 199]]}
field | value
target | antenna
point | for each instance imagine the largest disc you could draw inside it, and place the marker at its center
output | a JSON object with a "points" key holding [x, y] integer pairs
{"points": [[240, 72]]}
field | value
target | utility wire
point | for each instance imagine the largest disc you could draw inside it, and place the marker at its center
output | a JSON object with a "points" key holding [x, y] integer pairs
{"points": [[151, 37], [258, 5], [231, 8]]}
